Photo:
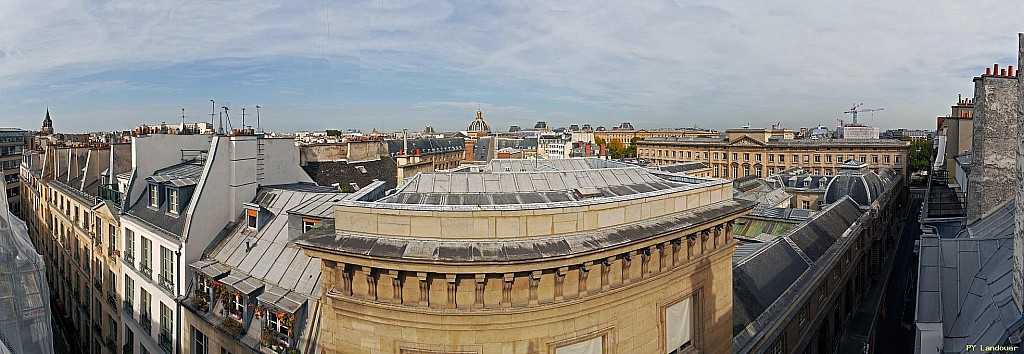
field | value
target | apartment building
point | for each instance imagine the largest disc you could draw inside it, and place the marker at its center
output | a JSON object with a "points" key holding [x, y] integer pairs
{"points": [[72, 212], [183, 190], [750, 152], [13, 142]]}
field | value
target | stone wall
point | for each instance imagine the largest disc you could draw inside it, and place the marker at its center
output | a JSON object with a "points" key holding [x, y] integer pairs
{"points": [[1018, 218], [994, 143], [397, 308]]}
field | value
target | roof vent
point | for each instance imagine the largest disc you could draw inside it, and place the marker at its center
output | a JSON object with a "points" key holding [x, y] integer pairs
{"points": [[361, 169]]}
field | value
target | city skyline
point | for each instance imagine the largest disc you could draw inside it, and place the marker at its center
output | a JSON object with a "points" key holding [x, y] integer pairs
{"points": [[387, 67]]}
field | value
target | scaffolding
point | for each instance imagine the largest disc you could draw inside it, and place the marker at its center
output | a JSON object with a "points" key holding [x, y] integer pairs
{"points": [[24, 295]]}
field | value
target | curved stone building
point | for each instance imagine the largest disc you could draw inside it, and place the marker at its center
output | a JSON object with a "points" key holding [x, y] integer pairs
{"points": [[556, 256]]}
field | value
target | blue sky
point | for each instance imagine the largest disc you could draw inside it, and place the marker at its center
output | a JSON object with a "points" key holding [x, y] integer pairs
{"points": [[388, 65]]}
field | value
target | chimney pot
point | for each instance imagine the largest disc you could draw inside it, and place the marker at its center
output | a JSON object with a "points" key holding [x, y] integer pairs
{"points": [[988, 71], [995, 69], [1002, 72], [1009, 71]]}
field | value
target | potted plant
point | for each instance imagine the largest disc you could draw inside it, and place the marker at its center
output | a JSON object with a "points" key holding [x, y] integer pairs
{"points": [[233, 325]]}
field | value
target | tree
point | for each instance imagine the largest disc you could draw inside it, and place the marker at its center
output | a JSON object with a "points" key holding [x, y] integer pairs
{"points": [[616, 149], [333, 132], [920, 154], [599, 140]]}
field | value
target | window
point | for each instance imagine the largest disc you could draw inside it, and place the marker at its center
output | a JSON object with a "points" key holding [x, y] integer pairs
{"points": [[99, 227], [828, 158], [803, 317], [886, 159], [236, 305], [154, 195], [146, 263], [145, 302], [112, 239], [863, 158], [817, 158], [200, 339], [250, 218], [308, 223], [679, 326], [782, 158], [807, 158], [716, 156], [275, 324], [689, 154], [224, 351], [897, 157], [779, 347], [806, 204], [113, 283], [129, 245], [796, 158], [735, 156], [166, 322], [874, 159], [757, 157], [771, 158], [172, 197], [129, 337], [591, 346], [166, 268], [129, 292]]}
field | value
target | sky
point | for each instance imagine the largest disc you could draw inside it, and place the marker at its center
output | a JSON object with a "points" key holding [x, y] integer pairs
{"points": [[389, 65]]}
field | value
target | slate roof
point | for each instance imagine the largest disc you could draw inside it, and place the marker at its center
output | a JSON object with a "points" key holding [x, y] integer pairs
{"points": [[525, 249], [327, 173], [683, 167], [427, 146], [181, 174], [570, 164], [761, 278], [861, 184], [969, 278], [272, 258]]}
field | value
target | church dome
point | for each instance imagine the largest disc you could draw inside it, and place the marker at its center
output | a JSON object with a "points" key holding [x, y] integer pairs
{"points": [[478, 124]]}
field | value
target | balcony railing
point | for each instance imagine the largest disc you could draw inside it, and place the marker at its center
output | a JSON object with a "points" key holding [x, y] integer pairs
{"points": [[127, 307], [165, 342], [96, 328], [165, 282], [110, 192], [146, 323], [129, 260], [111, 300], [97, 285], [145, 270], [109, 343]]}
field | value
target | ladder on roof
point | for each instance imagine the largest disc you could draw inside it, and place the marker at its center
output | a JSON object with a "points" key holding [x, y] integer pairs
{"points": [[260, 165]]}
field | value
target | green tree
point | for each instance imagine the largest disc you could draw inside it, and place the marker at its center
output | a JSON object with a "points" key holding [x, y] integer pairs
{"points": [[919, 155], [333, 132]]}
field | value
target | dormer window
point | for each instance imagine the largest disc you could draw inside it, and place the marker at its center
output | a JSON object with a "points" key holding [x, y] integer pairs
{"points": [[172, 198], [154, 195], [308, 223], [250, 218]]}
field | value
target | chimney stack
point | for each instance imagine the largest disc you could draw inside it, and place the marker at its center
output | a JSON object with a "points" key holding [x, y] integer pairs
{"points": [[988, 71], [995, 69], [1009, 71], [1018, 230]]}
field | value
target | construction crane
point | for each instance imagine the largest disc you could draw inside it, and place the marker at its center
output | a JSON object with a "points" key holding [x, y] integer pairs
{"points": [[856, 109]]}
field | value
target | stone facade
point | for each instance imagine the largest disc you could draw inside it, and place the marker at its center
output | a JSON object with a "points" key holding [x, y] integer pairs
{"points": [[750, 156], [994, 143], [627, 136], [1018, 216], [504, 297]]}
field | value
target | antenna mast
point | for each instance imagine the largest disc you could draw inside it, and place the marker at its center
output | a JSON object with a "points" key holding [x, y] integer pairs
{"points": [[258, 127], [213, 110]]}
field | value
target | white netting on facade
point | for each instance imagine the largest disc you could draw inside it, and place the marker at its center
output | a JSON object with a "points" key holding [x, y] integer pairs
{"points": [[24, 295]]}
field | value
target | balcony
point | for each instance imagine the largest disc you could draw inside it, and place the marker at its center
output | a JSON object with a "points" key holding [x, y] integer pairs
{"points": [[97, 285], [129, 260], [127, 307], [145, 270], [96, 328], [109, 192], [111, 300], [146, 323], [166, 283], [165, 342], [78, 296], [109, 343]]}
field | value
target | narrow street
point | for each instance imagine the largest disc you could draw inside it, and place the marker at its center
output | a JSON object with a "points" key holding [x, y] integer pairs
{"points": [[888, 307]]}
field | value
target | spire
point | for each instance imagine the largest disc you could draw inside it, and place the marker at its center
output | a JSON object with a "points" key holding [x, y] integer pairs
{"points": [[47, 123]]}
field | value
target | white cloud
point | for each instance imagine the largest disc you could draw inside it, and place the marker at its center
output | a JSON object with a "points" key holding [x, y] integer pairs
{"points": [[656, 63]]}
